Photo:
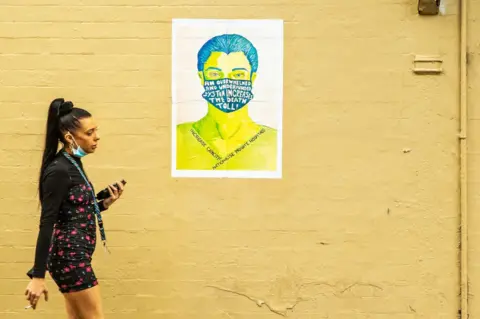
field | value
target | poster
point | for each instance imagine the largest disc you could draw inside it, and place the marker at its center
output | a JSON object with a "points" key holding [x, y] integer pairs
{"points": [[227, 98]]}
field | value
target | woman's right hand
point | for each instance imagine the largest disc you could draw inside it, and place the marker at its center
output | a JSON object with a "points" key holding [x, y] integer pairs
{"points": [[34, 291]]}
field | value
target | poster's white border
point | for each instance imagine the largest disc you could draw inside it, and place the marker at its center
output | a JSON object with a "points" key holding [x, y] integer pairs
{"points": [[220, 173]]}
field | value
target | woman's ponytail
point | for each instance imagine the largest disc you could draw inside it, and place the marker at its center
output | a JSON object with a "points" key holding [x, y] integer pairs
{"points": [[52, 137]]}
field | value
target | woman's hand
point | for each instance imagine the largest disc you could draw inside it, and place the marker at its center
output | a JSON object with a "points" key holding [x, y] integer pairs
{"points": [[34, 291], [114, 194]]}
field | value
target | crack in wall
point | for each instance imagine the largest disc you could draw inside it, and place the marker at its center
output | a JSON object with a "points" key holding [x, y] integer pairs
{"points": [[283, 310], [260, 303]]}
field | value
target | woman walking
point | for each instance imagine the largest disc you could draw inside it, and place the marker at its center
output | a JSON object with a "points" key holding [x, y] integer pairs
{"points": [[67, 235]]}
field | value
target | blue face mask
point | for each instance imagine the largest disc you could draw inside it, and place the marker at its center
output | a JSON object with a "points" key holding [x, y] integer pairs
{"points": [[78, 151], [228, 95]]}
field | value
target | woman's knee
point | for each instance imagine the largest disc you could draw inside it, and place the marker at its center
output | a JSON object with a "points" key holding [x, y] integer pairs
{"points": [[86, 304]]}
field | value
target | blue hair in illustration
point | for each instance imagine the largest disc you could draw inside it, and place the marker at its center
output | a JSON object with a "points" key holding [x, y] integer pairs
{"points": [[228, 43]]}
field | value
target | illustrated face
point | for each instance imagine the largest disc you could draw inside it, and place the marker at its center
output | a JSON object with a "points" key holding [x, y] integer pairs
{"points": [[234, 66]]}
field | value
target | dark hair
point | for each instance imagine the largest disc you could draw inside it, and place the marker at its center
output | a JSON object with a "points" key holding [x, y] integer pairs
{"points": [[228, 43], [62, 117]]}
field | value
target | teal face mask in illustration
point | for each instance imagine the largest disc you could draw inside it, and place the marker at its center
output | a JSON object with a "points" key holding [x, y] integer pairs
{"points": [[228, 95]]}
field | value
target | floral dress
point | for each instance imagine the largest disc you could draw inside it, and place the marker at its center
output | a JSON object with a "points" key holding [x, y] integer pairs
{"points": [[67, 236]]}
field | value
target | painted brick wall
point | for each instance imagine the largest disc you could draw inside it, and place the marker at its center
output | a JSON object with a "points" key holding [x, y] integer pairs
{"points": [[364, 222], [474, 157]]}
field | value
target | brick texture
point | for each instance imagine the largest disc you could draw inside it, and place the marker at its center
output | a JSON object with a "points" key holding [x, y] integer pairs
{"points": [[474, 157], [358, 228]]}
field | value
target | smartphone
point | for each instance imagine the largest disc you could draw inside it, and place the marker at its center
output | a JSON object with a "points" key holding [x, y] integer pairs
{"points": [[103, 194]]}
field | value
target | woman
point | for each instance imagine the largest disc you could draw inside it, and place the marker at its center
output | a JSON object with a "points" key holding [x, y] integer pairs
{"points": [[67, 235]]}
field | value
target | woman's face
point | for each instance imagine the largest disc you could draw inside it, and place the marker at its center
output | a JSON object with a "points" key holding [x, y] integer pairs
{"points": [[86, 136]]}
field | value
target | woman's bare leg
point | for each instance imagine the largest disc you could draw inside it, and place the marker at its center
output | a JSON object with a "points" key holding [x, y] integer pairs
{"points": [[86, 304], [71, 313]]}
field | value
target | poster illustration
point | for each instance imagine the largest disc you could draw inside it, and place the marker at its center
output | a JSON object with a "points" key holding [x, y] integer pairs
{"points": [[227, 98]]}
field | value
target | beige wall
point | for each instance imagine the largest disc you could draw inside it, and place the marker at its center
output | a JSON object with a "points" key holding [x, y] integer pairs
{"points": [[363, 223], [474, 157]]}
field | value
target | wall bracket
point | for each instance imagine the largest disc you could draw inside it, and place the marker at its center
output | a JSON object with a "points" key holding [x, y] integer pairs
{"points": [[427, 64]]}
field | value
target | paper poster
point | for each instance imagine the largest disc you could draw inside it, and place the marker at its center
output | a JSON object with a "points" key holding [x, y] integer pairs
{"points": [[227, 94]]}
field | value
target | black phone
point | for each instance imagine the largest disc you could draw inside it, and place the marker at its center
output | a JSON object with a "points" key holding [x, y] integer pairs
{"points": [[103, 194]]}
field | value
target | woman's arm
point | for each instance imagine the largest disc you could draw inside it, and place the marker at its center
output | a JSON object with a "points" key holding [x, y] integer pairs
{"points": [[56, 182]]}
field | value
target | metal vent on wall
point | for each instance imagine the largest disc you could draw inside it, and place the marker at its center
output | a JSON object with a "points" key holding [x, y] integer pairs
{"points": [[428, 7]]}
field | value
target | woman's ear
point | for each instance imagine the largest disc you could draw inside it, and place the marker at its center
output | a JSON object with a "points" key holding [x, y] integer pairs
{"points": [[68, 138]]}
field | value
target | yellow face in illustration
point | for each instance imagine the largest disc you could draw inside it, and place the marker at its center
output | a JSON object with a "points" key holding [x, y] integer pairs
{"points": [[234, 66]]}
